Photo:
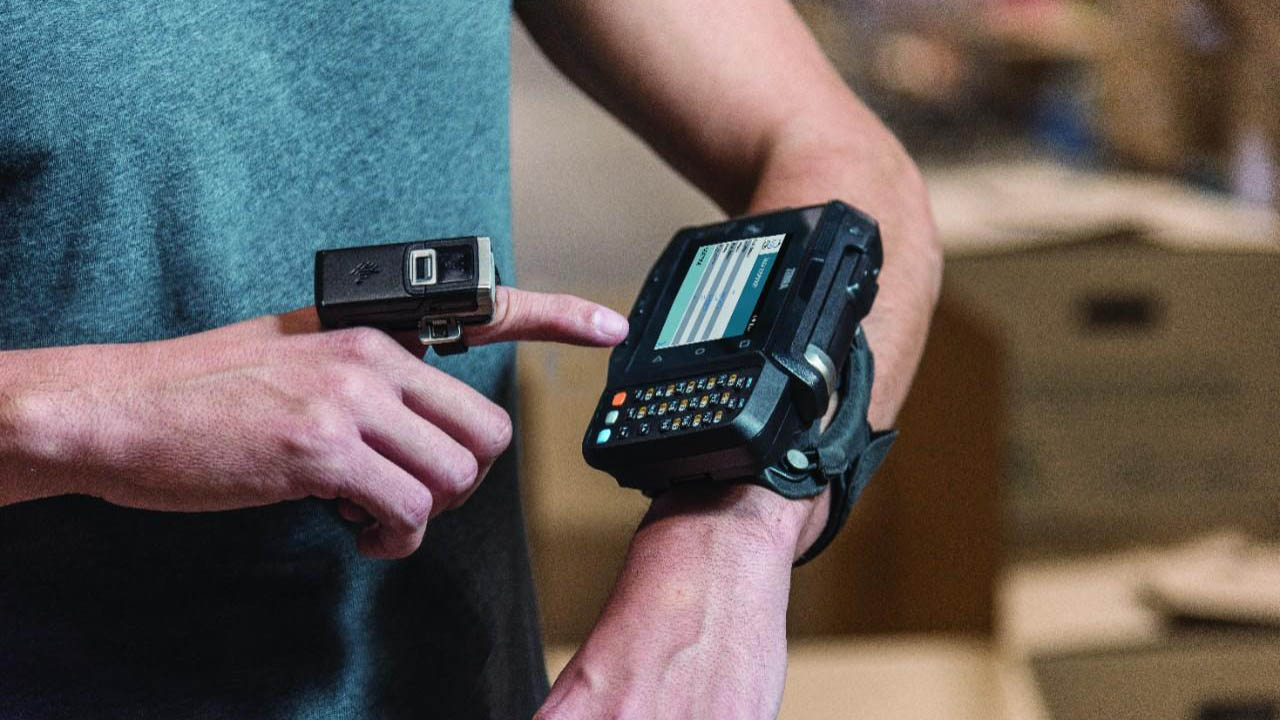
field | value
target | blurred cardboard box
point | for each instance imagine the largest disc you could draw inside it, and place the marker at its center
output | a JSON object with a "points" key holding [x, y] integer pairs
{"points": [[580, 521], [1163, 82], [1205, 678], [1188, 87], [1141, 322], [1081, 639]]}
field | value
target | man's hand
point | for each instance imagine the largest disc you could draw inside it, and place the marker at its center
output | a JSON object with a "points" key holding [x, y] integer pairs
{"points": [[268, 410]]}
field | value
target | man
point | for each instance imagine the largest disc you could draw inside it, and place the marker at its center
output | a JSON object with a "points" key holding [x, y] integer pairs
{"points": [[168, 544]]}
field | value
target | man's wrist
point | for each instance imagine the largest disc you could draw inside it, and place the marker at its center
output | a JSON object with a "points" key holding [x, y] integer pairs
{"points": [[27, 448], [43, 425], [752, 518]]}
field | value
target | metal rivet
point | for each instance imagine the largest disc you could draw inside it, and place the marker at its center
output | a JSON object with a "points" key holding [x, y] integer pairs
{"points": [[797, 460]]}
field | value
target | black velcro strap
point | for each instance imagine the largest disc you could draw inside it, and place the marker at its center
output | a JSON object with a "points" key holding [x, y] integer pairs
{"points": [[849, 451], [845, 492]]}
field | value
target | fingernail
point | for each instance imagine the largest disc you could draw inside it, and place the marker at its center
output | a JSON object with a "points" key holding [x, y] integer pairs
{"points": [[609, 323]]}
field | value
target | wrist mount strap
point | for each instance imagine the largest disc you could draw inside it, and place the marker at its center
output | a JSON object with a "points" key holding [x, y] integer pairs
{"points": [[845, 455]]}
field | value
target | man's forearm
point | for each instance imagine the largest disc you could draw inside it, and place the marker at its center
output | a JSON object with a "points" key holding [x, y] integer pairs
{"points": [[860, 162]]}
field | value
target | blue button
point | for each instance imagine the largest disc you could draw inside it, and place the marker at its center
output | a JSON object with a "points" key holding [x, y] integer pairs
{"points": [[603, 437], [611, 418]]}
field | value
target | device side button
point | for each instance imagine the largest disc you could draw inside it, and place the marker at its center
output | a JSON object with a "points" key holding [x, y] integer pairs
{"points": [[826, 368], [809, 280]]}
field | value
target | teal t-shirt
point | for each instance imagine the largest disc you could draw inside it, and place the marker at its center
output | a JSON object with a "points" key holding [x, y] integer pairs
{"points": [[169, 167]]}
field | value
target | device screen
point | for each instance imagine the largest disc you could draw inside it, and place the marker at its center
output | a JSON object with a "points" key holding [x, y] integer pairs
{"points": [[720, 291]]}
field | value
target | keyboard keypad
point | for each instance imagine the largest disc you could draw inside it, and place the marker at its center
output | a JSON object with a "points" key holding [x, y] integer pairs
{"points": [[674, 406]]}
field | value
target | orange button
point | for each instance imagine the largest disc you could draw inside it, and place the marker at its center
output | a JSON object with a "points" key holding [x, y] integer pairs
{"points": [[618, 398]]}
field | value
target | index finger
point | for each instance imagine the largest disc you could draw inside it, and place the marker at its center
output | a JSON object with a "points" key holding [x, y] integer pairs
{"points": [[527, 315]]}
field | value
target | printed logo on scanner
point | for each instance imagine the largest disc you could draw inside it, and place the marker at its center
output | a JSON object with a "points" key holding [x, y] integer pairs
{"points": [[364, 271]]}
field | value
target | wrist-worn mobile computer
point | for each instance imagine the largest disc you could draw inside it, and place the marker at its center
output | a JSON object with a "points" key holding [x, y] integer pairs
{"points": [[743, 334]]}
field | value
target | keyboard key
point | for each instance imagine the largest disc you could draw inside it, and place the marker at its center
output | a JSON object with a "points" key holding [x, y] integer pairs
{"points": [[611, 417], [603, 436], [618, 398]]}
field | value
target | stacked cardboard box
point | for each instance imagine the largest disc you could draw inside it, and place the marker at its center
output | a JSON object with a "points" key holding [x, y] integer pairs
{"points": [[1141, 322]]}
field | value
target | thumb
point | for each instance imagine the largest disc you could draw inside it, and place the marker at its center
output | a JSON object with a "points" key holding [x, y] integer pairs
{"points": [[527, 315]]}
